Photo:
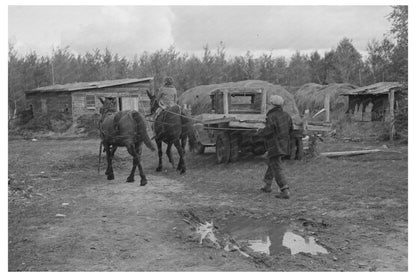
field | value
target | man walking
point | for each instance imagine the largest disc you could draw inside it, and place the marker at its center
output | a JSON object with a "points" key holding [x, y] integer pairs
{"points": [[277, 133]]}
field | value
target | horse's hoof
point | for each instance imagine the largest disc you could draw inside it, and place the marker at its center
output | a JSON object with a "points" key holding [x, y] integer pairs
{"points": [[130, 180], [110, 177], [158, 169], [143, 182], [182, 171]]}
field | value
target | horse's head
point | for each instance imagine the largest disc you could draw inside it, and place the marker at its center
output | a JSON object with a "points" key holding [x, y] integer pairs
{"points": [[109, 105], [154, 104]]}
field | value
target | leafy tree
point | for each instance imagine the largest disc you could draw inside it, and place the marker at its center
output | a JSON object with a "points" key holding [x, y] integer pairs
{"points": [[298, 70], [91, 66], [220, 64], [194, 70], [331, 72], [317, 68], [249, 66], [379, 60], [267, 69], [237, 69], [241, 68], [64, 66], [207, 66], [15, 87], [399, 30], [348, 62]]}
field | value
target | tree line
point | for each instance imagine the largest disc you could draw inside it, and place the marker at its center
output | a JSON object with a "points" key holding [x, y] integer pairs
{"points": [[386, 61]]}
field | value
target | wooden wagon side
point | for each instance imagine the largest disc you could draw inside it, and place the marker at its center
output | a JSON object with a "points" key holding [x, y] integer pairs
{"points": [[229, 135]]}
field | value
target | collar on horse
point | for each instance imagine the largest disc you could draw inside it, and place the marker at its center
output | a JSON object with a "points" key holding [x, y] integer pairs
{"points": [[104, 114]]}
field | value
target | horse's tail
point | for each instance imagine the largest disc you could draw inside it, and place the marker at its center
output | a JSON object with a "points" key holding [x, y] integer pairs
{"points": [[190, 130], [142, 130]]}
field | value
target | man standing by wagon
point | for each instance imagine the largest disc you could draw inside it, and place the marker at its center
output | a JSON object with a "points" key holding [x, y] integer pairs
{"points": [[277, 134], [167, 95]]}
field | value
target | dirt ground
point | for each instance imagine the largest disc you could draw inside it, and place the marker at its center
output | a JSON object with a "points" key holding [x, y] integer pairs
{"points": [[63, 216]]}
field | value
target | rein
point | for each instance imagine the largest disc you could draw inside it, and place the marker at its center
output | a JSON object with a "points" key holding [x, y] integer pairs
{"points": [[193, 119]]}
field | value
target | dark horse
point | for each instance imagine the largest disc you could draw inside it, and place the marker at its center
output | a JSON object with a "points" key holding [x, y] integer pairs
{"points": [[173, 127], [124, 128]]}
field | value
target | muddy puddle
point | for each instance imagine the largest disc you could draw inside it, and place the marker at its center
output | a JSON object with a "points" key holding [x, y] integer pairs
{"points": [[250, 235]]}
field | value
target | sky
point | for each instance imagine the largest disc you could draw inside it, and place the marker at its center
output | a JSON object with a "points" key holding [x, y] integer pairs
{"points": [[130, 30]]}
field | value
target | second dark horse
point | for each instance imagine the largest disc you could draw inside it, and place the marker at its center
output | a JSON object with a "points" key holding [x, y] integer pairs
{"points": [[173, 127], [124, 128]]}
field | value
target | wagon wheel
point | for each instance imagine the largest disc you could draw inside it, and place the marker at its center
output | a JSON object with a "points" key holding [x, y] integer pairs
{"points": [[258, 149], [222, 148], [234, 148], [200, 148]]}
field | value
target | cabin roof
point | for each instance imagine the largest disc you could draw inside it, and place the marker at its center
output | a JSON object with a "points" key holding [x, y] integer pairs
{"points": [[89, 85], [375, 89]]}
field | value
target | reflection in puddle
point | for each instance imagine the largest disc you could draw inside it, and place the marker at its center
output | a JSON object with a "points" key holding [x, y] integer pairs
{"points": [[297, 244], [260, 246], [247, 235], [206, 232]]}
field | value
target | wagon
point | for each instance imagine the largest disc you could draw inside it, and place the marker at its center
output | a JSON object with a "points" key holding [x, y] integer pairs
{"points": [[231, 127]]}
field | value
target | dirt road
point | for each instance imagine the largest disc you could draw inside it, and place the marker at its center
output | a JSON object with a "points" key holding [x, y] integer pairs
{"points": [[63, 216]]}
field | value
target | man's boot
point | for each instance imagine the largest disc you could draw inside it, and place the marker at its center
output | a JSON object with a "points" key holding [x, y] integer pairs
{"points": [[267, 187], [284, 194]]}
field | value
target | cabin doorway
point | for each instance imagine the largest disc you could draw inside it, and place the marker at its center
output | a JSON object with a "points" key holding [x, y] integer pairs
{"points": [[128, 103]]}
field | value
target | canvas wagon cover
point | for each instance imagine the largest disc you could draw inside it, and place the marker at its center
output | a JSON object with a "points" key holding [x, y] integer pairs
{"points": [[199, 97]]}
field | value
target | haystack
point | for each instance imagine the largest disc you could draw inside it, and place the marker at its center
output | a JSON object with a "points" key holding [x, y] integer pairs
{"points": [[199, 97], [312, 96]]}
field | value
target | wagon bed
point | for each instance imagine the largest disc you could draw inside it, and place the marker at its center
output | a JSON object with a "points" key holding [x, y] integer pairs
{"points": [[231, 127]]}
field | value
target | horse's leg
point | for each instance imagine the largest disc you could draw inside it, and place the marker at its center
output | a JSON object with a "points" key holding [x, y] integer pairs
{"points": [[113, 151], [169, 154], [132, 151], [183, 143], [143, 180], [106, 149], [109, 172], [181, 165], [159, 152]]}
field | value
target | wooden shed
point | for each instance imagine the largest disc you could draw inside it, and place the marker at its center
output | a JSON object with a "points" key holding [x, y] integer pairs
{"points": [[81, 98], [375, 102]]}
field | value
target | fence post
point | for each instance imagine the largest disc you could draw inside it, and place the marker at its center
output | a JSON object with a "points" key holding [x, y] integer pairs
{"points": [[225, 99], [391, 109], [327, 107]]}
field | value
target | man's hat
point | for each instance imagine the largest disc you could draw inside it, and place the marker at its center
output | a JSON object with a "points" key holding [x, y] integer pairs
{"points": [[276, 100]]}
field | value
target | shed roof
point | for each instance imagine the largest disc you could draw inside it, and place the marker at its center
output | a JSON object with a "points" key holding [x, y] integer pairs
{"points": [[377, 88], [89, 85]]}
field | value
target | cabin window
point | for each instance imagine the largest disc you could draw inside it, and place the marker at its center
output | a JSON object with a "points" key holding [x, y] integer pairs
{"points": [[90, 102]]}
